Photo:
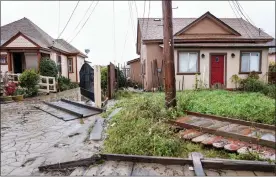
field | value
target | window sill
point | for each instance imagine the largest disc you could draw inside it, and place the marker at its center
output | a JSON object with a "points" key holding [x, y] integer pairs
{"points": [[3, 63], [259, 72], [188, 73]]}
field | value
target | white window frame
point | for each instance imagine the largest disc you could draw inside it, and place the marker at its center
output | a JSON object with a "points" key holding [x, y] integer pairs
{"points": [[197, 62], [70, 66], [250, 53]]}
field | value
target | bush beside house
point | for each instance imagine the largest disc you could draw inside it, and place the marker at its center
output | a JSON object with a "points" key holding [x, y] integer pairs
{"points": [[29, 80], [48, 67]]}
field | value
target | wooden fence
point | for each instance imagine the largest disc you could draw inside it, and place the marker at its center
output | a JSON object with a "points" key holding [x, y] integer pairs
{"points": [[46, 84]]}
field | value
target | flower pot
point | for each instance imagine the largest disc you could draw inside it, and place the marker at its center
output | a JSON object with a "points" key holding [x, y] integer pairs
{"points": [[5, 98], [18, 98]]}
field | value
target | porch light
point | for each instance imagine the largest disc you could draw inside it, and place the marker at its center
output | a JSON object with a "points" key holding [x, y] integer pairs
{"points": [[233, 55], [202, 55]]}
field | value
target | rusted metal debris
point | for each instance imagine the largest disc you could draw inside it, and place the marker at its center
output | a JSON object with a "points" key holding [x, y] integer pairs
{"points": [[69, 110], [229, 134], [222, 164]]}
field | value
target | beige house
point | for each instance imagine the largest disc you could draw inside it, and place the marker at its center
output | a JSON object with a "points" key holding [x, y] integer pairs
{"points": [[23, 44], [135, 70], [212, 48]]}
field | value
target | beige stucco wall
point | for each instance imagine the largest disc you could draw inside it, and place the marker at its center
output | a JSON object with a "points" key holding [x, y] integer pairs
{"points": [[232, 67], [64, 67], [31, 60], [20, 41], [143, 57]]}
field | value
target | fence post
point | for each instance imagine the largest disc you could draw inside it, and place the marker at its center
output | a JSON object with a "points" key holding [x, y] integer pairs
{"points": [[47, 82], [97, 86]]}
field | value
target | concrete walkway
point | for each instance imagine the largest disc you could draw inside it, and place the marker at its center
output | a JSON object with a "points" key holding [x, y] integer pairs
{"points": [[30, 137]]}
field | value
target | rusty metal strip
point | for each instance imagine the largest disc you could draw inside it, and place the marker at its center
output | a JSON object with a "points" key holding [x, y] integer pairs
{"points": [[63, 109], [71, 164], [226, 134], [241, 122], [82, 105]]}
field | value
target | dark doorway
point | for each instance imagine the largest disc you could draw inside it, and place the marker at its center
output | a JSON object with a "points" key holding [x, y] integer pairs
{"points": [[18, 62]]}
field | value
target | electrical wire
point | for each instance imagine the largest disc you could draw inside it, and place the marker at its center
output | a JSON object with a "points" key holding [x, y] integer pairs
{"points": [[238, 19], [136, 8], [114, 33], [145, 2], [245, 14], [82, 17], [69, 19], [58, 16], [131, 17], [85, 21], [148, 20]]}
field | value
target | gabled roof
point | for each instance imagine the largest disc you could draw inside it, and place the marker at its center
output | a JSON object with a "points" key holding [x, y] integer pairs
{"points": [[31, 31], [211, 16], [133, 60], [30, 39], [152, 29]]}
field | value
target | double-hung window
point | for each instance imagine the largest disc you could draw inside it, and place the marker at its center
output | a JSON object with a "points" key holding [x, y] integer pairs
{"points": [[3, 59], [188, 62], [70, 65], [250, 61]]}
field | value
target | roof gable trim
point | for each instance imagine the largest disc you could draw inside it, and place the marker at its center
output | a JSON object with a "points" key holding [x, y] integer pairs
{"points": [[16, 36], [212, 17]]}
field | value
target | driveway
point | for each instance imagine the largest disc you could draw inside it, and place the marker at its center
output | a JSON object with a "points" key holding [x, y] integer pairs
{"points": [[30, 137]]}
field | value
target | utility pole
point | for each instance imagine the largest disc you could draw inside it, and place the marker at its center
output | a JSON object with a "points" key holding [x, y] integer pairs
{"points": [[168, 52]]}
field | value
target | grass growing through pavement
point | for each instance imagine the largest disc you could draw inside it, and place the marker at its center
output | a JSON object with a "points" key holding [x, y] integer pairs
{"points": [[139, 127]]}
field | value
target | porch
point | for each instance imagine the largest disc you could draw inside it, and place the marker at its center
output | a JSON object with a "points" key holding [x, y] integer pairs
{"points": [[20, 60]]}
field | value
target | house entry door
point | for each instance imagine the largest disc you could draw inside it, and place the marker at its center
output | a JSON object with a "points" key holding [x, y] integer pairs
{"points": [[217, 69]]}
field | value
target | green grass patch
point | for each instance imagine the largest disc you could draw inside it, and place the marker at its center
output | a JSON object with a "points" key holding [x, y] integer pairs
{"points": [[139, 127]]}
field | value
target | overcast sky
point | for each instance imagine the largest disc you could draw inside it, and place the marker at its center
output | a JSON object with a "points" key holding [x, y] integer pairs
{"points": [[98, 33]]}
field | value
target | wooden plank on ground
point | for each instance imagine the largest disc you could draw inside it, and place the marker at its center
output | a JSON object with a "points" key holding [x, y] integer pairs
{"points": [[237, 121], [227, 134], [196, 157]]}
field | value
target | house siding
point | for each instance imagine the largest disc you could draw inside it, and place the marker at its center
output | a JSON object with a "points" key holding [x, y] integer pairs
{"points": [[272, 57], [232, 66], [135, 72]]}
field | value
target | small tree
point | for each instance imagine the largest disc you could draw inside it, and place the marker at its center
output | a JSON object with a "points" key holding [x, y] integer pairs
{"points": [[48, 67], [104, 79], [29, 79]]}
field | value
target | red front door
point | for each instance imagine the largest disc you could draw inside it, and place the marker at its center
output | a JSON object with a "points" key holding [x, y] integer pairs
{"points": [[217, 69]]}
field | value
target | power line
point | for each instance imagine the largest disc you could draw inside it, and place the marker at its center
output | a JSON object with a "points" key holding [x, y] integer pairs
{"points": [[85, 22], [69, 19], [114, 33], [136, 8], [83, 17], [144, 13], [58, 16], [245, 16], [148, 20], [238, 19], [131, 17], [125, 39]]}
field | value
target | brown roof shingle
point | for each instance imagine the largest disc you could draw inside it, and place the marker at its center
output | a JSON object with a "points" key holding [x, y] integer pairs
{"points": [[153, 30]]}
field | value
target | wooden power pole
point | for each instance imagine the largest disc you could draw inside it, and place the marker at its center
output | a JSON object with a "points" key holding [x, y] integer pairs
{"points": [[168, 52]]}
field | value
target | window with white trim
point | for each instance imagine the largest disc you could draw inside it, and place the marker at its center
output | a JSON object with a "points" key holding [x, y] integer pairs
{"points": [[188, 62], [70, 65], [250, 61]]}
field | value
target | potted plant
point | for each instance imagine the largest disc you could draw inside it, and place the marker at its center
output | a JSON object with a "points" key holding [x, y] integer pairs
{"points": [[19, 94], [10, 88]]}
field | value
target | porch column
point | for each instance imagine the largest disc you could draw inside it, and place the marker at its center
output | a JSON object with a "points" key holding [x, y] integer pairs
{"points": [[9, 61], [38, 59]]}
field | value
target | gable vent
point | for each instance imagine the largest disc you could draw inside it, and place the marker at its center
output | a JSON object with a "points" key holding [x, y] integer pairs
{"points": [[157, 19]]}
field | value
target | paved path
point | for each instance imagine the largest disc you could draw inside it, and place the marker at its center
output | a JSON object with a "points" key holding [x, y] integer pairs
{"points": [[30, 137], [114, 168]]}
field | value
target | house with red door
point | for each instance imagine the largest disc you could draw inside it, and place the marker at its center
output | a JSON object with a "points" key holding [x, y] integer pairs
{"points": [[24, 44], [207, 50]]}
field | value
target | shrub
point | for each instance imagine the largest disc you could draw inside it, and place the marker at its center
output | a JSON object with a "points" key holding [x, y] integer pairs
{"points": [[104, 80], [29, 79], [252, 85], [66, 84], [48, 67], [10, 88], [270, 90]]}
